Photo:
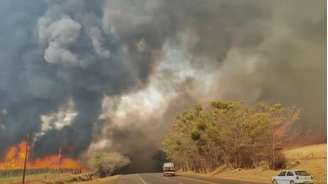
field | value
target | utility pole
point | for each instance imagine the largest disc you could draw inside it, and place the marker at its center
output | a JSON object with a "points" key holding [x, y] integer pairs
{"points": [[59, 158], [273, 150], [26, 158]]}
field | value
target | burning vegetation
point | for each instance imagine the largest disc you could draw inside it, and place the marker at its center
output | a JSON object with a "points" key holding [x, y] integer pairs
{"points": [[78, 73], [233, 134], [15, 157]]}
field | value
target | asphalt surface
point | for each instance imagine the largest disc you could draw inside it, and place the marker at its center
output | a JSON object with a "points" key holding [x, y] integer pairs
{"points": [[157, 178]]}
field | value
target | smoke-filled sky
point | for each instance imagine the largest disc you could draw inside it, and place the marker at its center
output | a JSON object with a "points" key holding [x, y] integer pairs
{"points": [[112, 74]]}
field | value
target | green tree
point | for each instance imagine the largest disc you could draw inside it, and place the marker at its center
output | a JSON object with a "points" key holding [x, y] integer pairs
{"points": [[227, 133]]}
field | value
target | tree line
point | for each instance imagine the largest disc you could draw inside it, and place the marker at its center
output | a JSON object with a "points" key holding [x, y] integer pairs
{"points": [[233, 134]]}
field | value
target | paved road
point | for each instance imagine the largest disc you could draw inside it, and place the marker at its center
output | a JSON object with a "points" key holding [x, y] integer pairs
{"points": [[157, 178]]}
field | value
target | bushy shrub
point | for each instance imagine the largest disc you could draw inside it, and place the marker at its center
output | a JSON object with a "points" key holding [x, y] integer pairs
{"points": [[105, 163]]}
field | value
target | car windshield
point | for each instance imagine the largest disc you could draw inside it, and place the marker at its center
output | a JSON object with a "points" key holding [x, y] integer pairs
{"points": [[168, 168], [302, 173]]}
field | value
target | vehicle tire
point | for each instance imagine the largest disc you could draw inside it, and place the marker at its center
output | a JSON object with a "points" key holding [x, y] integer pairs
{"points": [[292, 182], [274, 182]]}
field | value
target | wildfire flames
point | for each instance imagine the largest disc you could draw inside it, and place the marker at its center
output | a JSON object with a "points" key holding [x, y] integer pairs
{"points": [[15, 157]]}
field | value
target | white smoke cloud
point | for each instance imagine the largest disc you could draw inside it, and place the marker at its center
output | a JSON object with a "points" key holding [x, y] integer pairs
{"points": [[64, 116]]}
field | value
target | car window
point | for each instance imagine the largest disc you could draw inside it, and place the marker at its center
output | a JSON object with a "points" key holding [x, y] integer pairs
{"points": [[283, 173], [302, 173], [290, 173]]}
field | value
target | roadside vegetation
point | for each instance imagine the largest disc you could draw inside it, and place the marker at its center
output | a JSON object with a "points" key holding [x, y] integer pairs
{"points": [[100, 164], [56, 178], [48, 178], [103, 164], [229, 134], [312, 158]]}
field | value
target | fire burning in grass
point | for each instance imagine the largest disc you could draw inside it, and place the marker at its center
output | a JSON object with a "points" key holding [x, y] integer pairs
{"points": [[15, 156]]}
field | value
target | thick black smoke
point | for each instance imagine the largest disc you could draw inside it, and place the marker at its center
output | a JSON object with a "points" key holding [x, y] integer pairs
{"points": [[54, 51], [72, 54], [237, 50]]}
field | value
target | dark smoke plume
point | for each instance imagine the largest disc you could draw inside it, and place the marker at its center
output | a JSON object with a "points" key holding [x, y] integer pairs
{"points": [[53, 51], [85, 75]]}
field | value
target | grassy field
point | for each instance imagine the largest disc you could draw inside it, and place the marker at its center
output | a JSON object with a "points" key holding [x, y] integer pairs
{"points": [[31, 179], [54, 179], [311, 158], [37, 179]]}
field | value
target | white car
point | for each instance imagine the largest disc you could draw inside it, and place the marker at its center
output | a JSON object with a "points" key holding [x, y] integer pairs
{"points": [[292, 177], [168, 169]]}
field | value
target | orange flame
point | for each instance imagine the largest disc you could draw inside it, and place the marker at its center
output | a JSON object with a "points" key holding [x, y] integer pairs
{"points": [[282, 129], [15, 156]]}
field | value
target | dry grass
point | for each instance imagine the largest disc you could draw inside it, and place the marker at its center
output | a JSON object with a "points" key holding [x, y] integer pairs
{"points": [[311, 158], [36, 179], [318, 151], [54, 179]]}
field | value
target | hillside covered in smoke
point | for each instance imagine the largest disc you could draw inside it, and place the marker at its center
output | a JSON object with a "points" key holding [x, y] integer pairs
{"points": [[111, 74]]}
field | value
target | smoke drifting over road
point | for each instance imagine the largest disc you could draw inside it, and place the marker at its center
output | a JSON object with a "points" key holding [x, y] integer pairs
{"points": [[111, 74]]}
